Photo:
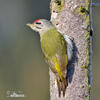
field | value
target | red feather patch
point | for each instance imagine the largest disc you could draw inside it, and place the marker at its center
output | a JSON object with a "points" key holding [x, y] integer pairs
{"points": [[36, 21]]}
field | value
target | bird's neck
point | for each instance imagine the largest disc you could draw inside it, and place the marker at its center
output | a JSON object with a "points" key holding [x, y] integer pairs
{"points": [[46, 31]]}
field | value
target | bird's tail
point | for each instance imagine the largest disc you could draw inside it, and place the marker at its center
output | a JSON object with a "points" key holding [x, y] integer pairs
{"points": [[62, 85], [61, 79]]}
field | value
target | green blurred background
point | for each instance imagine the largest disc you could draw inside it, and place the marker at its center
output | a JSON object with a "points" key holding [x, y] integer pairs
{"points": [[22, 67]]}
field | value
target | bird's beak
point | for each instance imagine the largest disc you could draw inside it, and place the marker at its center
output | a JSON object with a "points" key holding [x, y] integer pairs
{"points": [[30, 25]]}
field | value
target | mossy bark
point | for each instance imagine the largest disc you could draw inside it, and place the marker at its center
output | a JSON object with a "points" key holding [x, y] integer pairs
{"points": [[73, 18]]}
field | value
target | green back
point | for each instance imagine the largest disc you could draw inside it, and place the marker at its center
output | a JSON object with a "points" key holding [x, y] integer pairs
{"points": [[52, 43]]}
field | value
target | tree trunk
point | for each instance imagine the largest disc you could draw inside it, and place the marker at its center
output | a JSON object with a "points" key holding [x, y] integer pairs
{"points": [[72, 17]]}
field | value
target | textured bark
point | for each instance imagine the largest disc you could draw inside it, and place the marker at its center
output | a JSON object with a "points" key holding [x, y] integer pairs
{"points": [[73, 19]]}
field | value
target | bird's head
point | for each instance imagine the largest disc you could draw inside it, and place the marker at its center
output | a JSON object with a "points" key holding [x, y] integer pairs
{"points": [[41, 25]]}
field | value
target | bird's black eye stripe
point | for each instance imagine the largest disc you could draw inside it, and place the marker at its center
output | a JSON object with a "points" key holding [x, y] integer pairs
{"points": [[38, 22]]}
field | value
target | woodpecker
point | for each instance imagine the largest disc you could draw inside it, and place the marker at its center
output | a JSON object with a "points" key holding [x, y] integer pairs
{"points": [[57, 49]]}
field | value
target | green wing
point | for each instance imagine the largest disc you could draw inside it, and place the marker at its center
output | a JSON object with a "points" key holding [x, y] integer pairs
{"points": [[54, 48], [52, 43]]}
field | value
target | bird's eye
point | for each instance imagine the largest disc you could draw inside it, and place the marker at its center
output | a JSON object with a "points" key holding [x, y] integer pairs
{"points": [[38, 22]]}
